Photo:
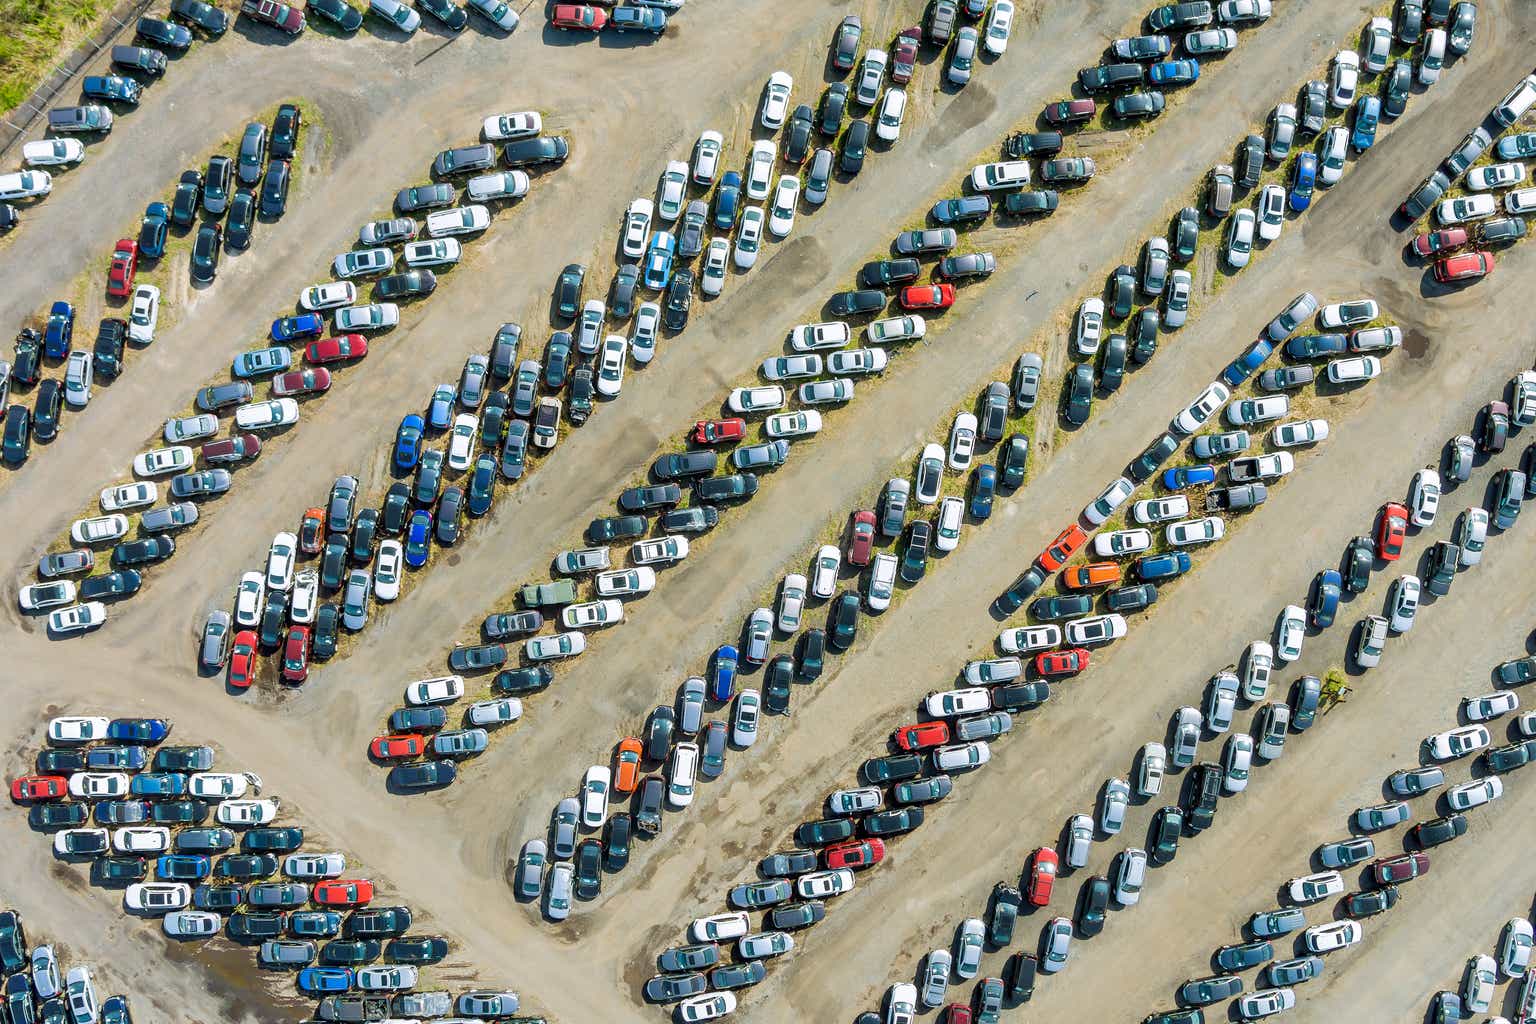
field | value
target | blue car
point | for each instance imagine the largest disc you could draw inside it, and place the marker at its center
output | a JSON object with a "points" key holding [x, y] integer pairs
{"points": [[115, 1011], [1303, 181], [1180, 477], [292, 328], [153, 230], [722, 673], [637, 19], [1323, 602], [158, 784], [261, 361], [418, 538], [182, 867], [116, 759], [728, 201], [1161, 567], [983, 487], [1312, 346], [138, 730], [59, 335], [314, 924], [325, 979], [440, 409], [218, 898], [1174, 72], [408, 443], [658, 258], [1241, 368], [1367, 117]]}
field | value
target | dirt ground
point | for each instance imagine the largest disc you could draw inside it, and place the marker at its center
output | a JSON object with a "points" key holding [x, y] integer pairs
{"points": [[631, 109]]}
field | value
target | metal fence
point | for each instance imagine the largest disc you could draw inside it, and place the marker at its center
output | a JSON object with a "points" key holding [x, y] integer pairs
{"points": [[15, 125]]}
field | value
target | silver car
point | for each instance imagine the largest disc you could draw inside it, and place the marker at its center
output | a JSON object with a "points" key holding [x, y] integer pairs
{"points": [[936, 977], [1221, 701], [216, 636], [530, 869], [1079, 840], [968, 943], [1055, 945], [1117, 798], [1186, 736], [557, 901], [567, 813]]}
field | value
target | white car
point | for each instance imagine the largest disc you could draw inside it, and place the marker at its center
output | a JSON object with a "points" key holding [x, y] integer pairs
{"points": [[144, 314], [77, 378], [592, 614], [77, 729], [1116, 543], [1006, 174], [1323, 938], [561, 645], [992, 671], [1432, 56], [930, 472], [994, 37], [163, 461], [665, 549], [375, 316], [482, 188], [1024, 639], [1466, 208], [77, 618], [1348, 314], [1195, 531], [1472, 535], [814, 337], [440, 690], [1354, 371], [712, 275], [1477, 990], [25, 185], [710, 1006], [946, 525], [793, 424], [1300, 432], [387, 570], [397, 14], [1240, 238], [682, 775], [359, 262], [1345, 79], [1258, 410], [1112, 497], [36, 597], [706, 157], [1499, 175], [386, 977], [953, 703], [749, 237], [142, 839], [1472, 794], [461, 440], [433, 252], [1088, 328], [595, 786], [719, 927], [757, 399], [1148, 511], [1424, 497], [328, 295], [458, 220], [1458, 742], [1520, 201], [781, 212], [1270, 212], [896, 328], [819, 884], [962, 442], [776, 100], [824, 569], [156, 898], [497, 711], [190, 428], [892, 109], [862, 361], [1523, 384], [1201, 409], [672, 191], [1265, 1002], [250, 597], [1515, 947], [192, 924], [637, 228], [1092, 630], [246, 812], [1489, 706], [760, 169], [626, 582], [1403, 602], [506, 127], [1314, 887], [882, 582], [52, 152], [95, 529], [1290, 633], [68, 840], [279, 412], [281, 557], [642, 344]]}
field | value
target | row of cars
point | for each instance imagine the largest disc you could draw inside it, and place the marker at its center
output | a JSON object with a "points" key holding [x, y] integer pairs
{"points": [[197, 460], [647, 16], [231, 186], [115, 797], [36, 989]]}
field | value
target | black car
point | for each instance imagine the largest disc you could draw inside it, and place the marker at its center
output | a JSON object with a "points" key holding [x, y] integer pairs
{"points": [[797, 134], [44, 817], [333, 561], [777, 679], [888, 272], [163, 34], [123, 583], [1250, 161], [824, 831], [110, 871], [274, 621], [1131, 599], [1204, 790], [1364, 904], [205, 252], [914, 558], [1359, 553], [1040, 201], [245, 867], [253, 926], [323, 635], [1019, 976], [61, 761], [810, 652], [641, 499], [450, 15], [674, 313], [544, 149], [621, 299], [1438, 831], [350, 952], [893, 768], [1092, 906], [1021, 696], [834, 103], [1103, 77], [274, 190], [1079, 401], [857, 303], [1006, 901], [46, 408], [272, 840], [726, 488], [568, 290], [1122, 291], [408, 285], [1027, 582], [205, 16], [242, 218], [843, 621], [338, 12], [1143, 338], [189, 195], [143, 552], [892, 822], [659, 728], [589, 869], [519, 682], [617, 833], [791, 916], [685, 464], [855, 145], [1167, 826], [424, 775]]}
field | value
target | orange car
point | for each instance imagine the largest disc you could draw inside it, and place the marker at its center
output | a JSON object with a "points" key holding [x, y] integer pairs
{"points": [[312, 531], [1062, 548], [1094, 574], [627, 777], [405, 745], [343, 892]]}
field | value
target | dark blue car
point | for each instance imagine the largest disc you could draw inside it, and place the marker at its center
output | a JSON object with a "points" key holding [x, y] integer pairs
{"points": [[292, 328], [418, 538], [728, 201], [153, 230], [1181, 477], [408, 442], [1161, 567], [1241, 368], [59, 335], [983, 487], [722, 673], [138, 730], [1323, 601], [1367, 117], [1312, 346], [1303, 181], [116, 759], [182, 867]]}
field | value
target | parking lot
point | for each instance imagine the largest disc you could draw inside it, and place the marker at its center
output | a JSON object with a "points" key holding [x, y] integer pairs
{"points": [[387, 107]]}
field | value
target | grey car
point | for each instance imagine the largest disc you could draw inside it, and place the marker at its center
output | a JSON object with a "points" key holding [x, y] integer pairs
{"points": [[525, 388], [253, 153], [1413, 781], [354, 604], [1204, 991], [223, 396], [567, 812], [287, 952], [168, 517], [473, 380], [929, 240], [668, 988], [690, 706], [421, 1004], [530, 869], [1291, 972], [936, 977], [1273, 923], [464, 160], [216, 635], [1154, 266], [1026, 380], [1346, 852], [893, 506], [993, 421]]}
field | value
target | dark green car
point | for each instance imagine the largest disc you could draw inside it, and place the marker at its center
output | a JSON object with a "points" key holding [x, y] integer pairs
{"points": [[323, 636], [338, 12], [1079, 397], [350, 952], [843, 621], [205, 253], [417, 949]]}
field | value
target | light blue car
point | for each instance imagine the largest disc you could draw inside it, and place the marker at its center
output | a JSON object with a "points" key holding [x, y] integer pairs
{"points": [[658, 260], [261, 362]]}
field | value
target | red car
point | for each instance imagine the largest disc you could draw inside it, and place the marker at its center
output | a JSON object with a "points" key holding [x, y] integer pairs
{"points": [[927, 296], [1467, 266], [578, 16], [861, 537], [39, 787], [856, 853], [1043, 868], [242, 659], [312, 531], [232, 449], [922, 735], [343, 892], [334, 350], [1401, 868], [1069, 112], [1058, 664], [1065, 545], [957, 1013], [301, 382], [1436, 242], [125, 263], [296, 655], [1391, 529], [403, 745], [716, 431], [904, 54]]}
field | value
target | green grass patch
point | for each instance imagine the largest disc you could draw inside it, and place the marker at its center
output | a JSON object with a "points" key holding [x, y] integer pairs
{"points": [[35, 35]]}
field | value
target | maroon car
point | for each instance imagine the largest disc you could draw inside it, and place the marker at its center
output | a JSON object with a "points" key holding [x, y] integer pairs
{"points": [[1070, 112], [1436, 242], [1399, 868], [861, 537], [313, 381], [904, 54], [232, 449], [279, 16]]}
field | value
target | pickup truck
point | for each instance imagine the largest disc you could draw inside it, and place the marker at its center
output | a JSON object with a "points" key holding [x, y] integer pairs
{"points": [[1231, 499], [538, 595]]}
